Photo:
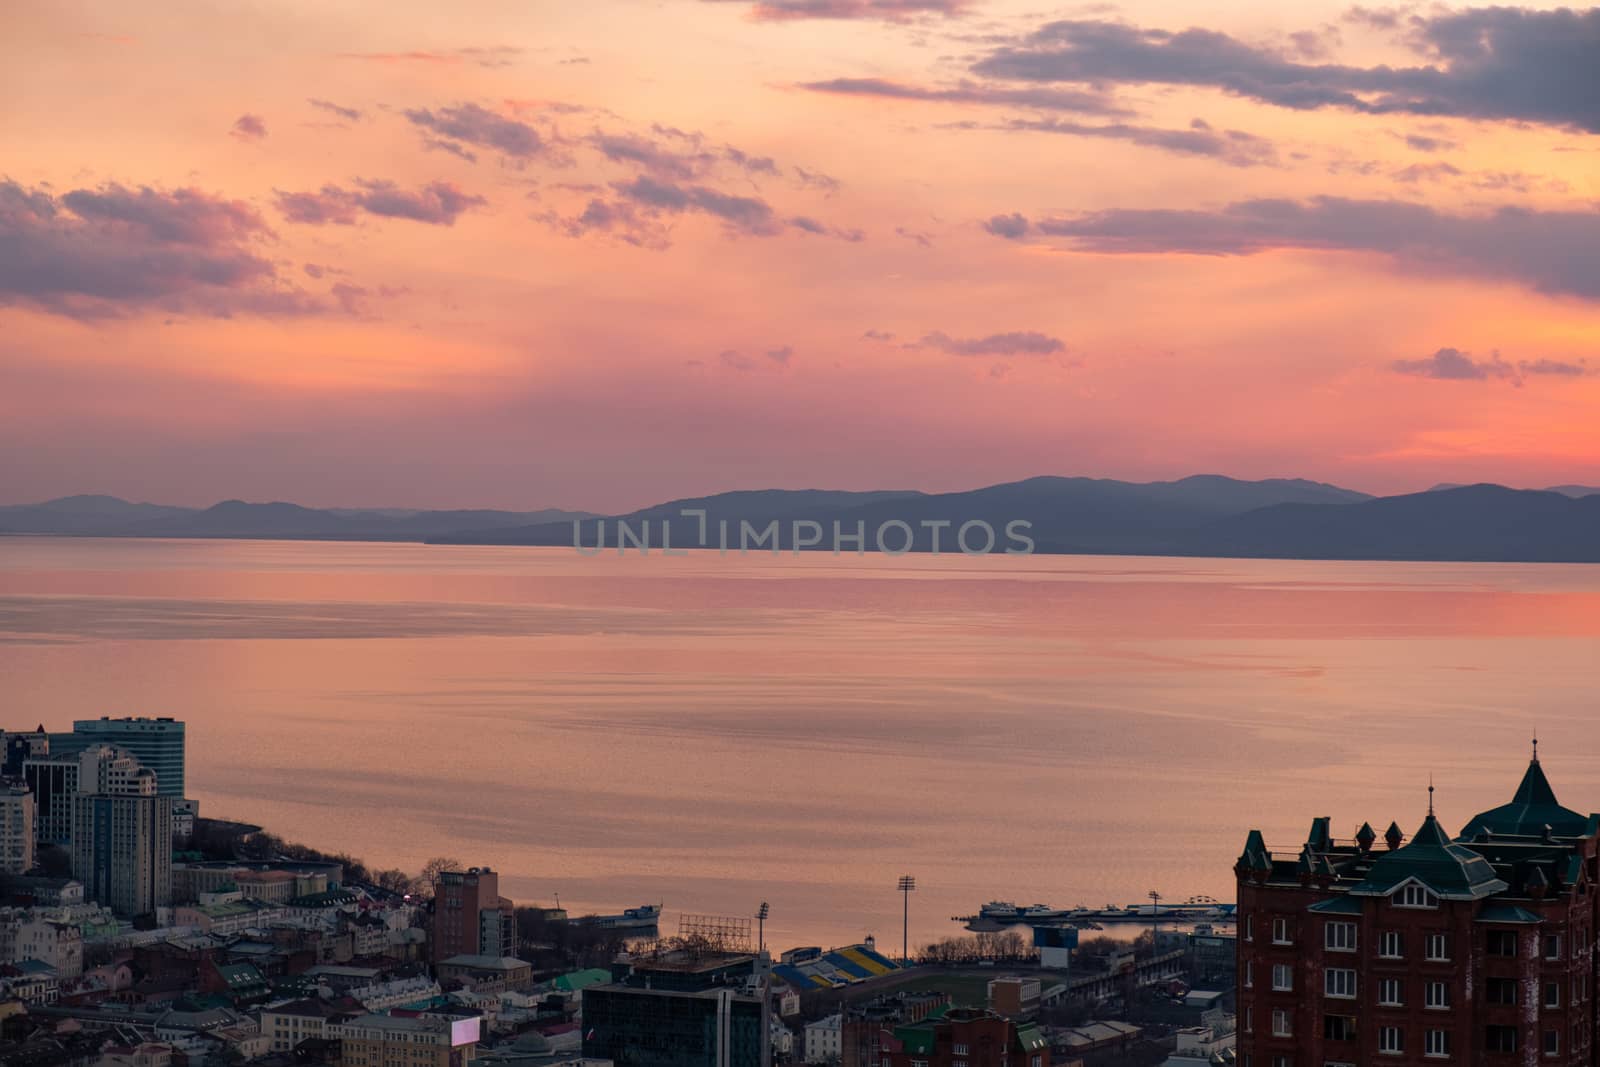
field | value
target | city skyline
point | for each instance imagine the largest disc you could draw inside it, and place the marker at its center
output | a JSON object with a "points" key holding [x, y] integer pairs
{"points": [[592, 255]]}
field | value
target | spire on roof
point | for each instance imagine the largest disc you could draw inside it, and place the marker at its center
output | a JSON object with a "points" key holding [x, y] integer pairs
{"points": [[1535, 787], [1393, 836], [1431, 832]]}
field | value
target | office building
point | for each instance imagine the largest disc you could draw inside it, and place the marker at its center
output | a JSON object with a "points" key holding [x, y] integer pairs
{"points": [[16, 827], [157, 743], [122, 846], [1477, 949], [470, 917], [681, 1009], [58, 777]]}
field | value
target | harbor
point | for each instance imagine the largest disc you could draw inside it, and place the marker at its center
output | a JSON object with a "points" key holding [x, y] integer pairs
{"points": [[999, 914]]}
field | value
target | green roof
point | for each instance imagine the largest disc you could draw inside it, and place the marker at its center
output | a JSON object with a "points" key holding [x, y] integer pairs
{"points": [[916, 1037], [1337, 906], [579, 980], [1451, 871], [1532, 809], [1507, 913], [1030, 1038]]}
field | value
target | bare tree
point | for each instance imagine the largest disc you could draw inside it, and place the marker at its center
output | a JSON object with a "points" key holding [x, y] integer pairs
{"points": [[429, 876]]}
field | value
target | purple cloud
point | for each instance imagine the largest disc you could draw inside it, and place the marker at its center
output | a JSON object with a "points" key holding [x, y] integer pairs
{"points": [[1011, 343], [1454, 365], [887, 10], [1085, 101], [1554, 252], [1012, 227], [1488, 63], [248, 128], [115, 250], [438, 203], [451, 128], [348, 113]]}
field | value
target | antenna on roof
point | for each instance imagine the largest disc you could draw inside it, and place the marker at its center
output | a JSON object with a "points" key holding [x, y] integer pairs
{"points": [[1536, 745], [1430, 794]]}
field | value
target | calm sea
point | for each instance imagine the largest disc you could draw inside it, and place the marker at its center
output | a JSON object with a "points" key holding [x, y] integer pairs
{"points": [[711, 732]]}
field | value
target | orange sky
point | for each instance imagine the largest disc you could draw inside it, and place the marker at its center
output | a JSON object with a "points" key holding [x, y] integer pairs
{"points": [[711, 244]]}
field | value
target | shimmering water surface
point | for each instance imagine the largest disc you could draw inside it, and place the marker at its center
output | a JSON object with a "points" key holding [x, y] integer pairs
{"points": [[712, 731]]}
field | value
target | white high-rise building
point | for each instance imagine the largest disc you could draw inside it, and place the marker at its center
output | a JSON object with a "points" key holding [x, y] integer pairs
{"points": [[56, 779], [16, 828]]}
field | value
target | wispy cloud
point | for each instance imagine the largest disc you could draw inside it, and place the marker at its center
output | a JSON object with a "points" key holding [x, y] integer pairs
{"points": [[437, 203], [1454, 365], [1555, 252], [450, 128], [248, 128], [1010, 343], [885, 10], [1084, 101], [1484, 63], [348, 113]]}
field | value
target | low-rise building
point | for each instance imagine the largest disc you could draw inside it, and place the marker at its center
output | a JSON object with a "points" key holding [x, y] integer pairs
{"points": [[487, 973], [967, 1037], [823, 1042], [406, 1041], [286, 1025], [54, 942], [1015, 998]]}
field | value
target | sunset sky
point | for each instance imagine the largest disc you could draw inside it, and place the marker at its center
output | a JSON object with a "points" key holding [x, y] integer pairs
{"points": [[600, 253]]}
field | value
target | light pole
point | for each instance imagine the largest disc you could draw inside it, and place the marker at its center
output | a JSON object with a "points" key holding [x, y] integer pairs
{"points": [[907, 885], [761, 928]]}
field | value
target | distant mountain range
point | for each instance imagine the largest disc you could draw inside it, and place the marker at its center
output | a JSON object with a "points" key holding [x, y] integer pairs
{"points": [[1564, 490], [108, 516], [1204, 515]]}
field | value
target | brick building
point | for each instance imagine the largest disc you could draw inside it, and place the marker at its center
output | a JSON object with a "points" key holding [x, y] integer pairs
{"points": [[966, 1037], [1474, 950], [470, 917]]}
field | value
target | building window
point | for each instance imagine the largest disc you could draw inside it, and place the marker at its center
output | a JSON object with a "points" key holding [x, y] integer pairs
{"points": [[1249, 973], [1500, 991], [1282, 1061], [1391, 1039], [1438, 996], [1249, 927], [1501, 943], [1552, 1042], [1340, 937], [1389, 993], [1249, 1020], [1437, 947], [1391, 946], [960, 1050], [1339, 982], [1282, 977], [1552, 994], [1281, 1026], [1339, 1027], [1413, 895], [1500, 1038], [1280, 931], [1552, 946], [1436, 1043]]}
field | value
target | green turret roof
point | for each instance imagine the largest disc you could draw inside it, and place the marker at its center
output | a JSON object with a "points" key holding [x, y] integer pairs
{"points": [[1453, 872], [1532, 809]]}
